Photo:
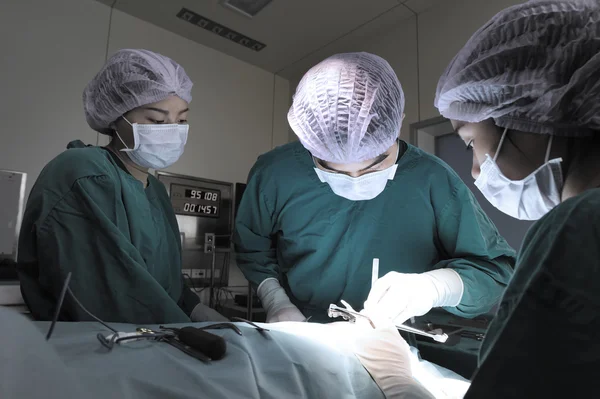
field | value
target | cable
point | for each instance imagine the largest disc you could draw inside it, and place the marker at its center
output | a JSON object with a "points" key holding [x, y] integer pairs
{"points": [[61, 298], [191, 281], [110, 18], [90, 313]]}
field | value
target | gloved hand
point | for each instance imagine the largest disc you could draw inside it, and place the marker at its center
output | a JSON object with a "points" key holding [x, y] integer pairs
{"points": [[400, 296], [386, 356], [203, 313], [276, 302]]}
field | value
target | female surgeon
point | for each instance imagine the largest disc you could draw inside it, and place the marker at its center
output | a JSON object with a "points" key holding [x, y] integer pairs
{"points": [[97, 212], [524, 95]]}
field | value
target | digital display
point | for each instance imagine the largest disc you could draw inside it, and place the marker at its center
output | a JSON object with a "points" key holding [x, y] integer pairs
{"points": [[202, 195], [195, 201]]}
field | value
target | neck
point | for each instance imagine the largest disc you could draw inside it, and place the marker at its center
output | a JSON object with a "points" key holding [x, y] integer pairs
{"points": [[583, 173], [136, 171]]}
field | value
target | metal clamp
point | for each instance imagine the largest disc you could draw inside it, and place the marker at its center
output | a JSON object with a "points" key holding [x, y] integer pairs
{"points": [[350, 315]]}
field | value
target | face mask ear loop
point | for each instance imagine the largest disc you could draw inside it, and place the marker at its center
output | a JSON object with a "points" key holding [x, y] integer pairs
{"points": [[500, 145], [548, 149], [125, 119], [119, 136]]}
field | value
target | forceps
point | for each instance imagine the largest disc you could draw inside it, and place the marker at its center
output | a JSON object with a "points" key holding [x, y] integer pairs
{"points": [[350, 315]]}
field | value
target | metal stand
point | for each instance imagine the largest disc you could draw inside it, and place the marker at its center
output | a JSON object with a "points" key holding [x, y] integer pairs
{"points": [[209, 248], [249, 304]]}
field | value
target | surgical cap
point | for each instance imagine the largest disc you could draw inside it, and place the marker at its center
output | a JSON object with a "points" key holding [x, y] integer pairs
{"points": [[348, 108], [534, 67], [131, 79]]}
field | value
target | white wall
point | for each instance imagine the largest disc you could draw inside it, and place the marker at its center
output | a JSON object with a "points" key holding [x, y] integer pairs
{"points": [[48, 56], [52, 49]]}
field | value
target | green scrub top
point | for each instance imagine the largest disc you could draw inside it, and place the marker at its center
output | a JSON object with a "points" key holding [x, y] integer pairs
{"points": [[320, 246], [87, 215], [545, 339]]}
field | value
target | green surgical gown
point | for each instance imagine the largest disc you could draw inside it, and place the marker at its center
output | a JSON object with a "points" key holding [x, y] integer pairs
{"points": [[545, 339], [320, 246], [87, 215]]}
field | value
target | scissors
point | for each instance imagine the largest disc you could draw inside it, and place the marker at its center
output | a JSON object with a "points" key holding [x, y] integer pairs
{"points": [[349, 314]]}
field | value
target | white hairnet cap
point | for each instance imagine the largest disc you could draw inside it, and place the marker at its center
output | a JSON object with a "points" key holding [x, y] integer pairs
{"points": [[131, 79], [348, 108], [534, 67]]}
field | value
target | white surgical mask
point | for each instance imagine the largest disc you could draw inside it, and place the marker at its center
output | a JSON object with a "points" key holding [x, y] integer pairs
{"points": [[156, 146], [362, 188], [527, 199]]}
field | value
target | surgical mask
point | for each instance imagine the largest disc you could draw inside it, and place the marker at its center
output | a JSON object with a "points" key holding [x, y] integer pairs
{"points": [[156, 146], [362, 188], [527, 199]]}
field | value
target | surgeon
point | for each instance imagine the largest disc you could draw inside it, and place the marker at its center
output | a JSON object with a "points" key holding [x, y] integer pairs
{"points": [[98, 213], [316, 212], [523, 95]]}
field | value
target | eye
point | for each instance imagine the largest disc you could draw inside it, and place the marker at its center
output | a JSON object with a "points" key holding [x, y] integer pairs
{"points": [[156, 122], [470, 145], [183, 121]]}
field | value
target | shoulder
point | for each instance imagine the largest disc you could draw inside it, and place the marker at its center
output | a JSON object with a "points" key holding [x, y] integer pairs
{"points": [[74, 165], [571, 227], [289, 161], [434, 173], [281, 157], [565, 244], [435, 164], [579, 214]]}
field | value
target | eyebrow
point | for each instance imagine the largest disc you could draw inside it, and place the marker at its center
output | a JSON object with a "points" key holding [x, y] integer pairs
{"points": [[377, 161], [163, 111]]}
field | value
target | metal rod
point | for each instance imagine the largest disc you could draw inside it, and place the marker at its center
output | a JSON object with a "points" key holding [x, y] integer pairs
{"points": [[249, 304], [334, 309], [212, 279]]}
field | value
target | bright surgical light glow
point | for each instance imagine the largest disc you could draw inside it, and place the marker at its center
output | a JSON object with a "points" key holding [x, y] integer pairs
{"points": [[441, 382]]}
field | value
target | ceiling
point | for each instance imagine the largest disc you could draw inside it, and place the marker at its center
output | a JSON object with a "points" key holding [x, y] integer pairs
{"points": [[296, 32]]}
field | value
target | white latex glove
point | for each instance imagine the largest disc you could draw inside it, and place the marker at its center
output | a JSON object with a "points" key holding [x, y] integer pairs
{"points": [[400, 296], [276, 302], [203, 313], [386, 356]]}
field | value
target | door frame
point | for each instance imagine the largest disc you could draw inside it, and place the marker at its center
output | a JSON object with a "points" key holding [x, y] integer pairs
{"points": [[423, 134]]}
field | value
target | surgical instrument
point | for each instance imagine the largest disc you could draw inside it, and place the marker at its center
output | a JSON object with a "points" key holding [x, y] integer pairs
{"points": [[375, 272], [351, 315], [259, 328]]}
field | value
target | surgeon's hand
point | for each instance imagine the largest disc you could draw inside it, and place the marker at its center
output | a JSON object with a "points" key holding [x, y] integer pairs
{"points": [[400, 296], [276, 302], [286, 314], [203, 313], [386, 356]]}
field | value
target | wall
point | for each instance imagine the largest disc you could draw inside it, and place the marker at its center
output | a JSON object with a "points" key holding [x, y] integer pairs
{"points": [[51, 50]]}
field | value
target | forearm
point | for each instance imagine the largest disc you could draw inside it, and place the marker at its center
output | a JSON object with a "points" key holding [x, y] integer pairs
{"points": [[484, 283], [257, 268], [188, 300]]}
